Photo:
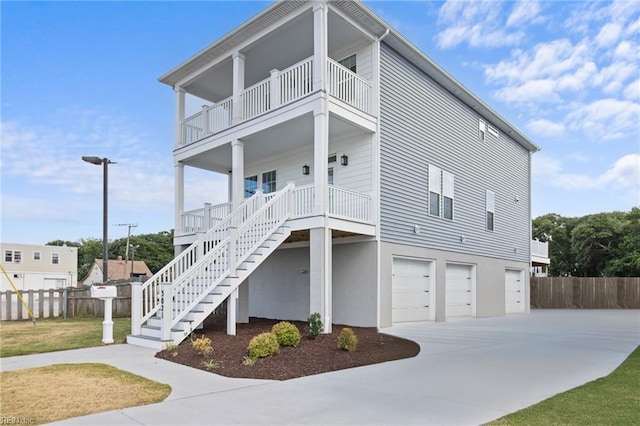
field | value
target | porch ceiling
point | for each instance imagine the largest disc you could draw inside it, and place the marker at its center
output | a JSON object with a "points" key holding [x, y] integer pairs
{"points": [[289, 44], [278, 140]]}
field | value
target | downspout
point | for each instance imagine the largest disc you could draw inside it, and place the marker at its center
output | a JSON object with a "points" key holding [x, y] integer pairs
{"points": [[377, 180]]}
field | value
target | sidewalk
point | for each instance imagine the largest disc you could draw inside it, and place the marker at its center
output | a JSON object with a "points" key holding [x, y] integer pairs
{"points": [[468, 372]]}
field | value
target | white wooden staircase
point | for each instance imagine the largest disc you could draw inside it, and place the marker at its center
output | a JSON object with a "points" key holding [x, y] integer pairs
{"points": [[179, 297]]}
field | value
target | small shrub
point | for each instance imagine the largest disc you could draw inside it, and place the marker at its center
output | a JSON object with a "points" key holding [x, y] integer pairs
{"points": [[287, 333], [247, 360], [202, 345], [315, 325], [172, 348], [263, 345], [347, 340], [210, 364]]}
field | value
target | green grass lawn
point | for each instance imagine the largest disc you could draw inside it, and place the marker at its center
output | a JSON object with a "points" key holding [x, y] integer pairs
{"points": [[611, 400], [49, 335]]}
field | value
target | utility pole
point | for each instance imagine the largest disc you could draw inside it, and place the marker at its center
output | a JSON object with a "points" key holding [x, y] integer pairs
{"points": [[129, 225]]}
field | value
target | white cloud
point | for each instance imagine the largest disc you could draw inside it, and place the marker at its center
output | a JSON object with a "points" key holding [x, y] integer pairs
{"points": [[523, 12], [478, 23], [608, 35], [605, 119], [632, 90], [530, 91], [546, 128], [624, 174]]}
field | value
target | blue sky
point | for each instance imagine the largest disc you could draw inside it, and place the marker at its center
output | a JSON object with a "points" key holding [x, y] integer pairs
{"points": [[80, 78]]}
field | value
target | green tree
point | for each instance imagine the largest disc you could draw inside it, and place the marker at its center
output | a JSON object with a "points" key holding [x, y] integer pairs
{"points": [[594, 241], [156, 250], [556, 230], [626, 261]]}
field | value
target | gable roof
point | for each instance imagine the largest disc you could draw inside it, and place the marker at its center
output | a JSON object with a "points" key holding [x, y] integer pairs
{"points": [[361, 14], [119, 269]]}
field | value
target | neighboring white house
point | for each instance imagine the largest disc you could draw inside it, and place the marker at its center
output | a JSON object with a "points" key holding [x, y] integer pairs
{"points": [[118, 269], [540, 260], [35, 267], [366, 183]]}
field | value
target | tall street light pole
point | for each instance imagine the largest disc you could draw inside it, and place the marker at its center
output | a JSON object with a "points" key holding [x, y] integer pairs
{"points": [[105, 208]]}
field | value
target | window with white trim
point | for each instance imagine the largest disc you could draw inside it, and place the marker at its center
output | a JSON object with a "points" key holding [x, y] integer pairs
{"points": [[17, 256], [55, 258], [491, 210], [435, 190], [447, 195], [269, 181], [8, 256], [482, 128], [36, 256]]}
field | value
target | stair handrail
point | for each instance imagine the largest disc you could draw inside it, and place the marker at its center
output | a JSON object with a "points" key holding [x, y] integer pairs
{"points": [[151, 291], [219, 262]]}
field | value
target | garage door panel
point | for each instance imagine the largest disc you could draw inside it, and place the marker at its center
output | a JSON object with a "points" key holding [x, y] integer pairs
{"points": [[514, 291], [411, 290], [459, 297]]}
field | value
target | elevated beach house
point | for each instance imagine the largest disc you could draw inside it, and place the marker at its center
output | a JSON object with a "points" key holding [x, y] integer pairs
{"points": [[366, 183]]}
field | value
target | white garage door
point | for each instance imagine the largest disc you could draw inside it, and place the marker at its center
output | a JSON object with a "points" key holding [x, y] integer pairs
{"points": [[514, 291], [412, 290], [459, 295]]}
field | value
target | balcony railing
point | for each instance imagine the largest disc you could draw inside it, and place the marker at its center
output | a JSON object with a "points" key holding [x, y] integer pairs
{"points": [[281, 88], [539, 248], [343, 204], [349, 87]]}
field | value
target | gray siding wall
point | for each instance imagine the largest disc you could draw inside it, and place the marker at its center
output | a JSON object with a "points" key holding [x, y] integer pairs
{"points": [[420, 124]]}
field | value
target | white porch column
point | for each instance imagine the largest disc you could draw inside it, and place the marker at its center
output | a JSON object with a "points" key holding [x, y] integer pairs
{"points": [[237, 172], [232, 300], [320, 155], [238, 86], [320, 275], [242, 316], [320, 45], [179, 114], [178, 197]]}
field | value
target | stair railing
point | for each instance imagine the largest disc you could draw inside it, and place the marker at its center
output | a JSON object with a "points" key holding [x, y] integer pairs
{"points": [[148, 298], [222, 260]]}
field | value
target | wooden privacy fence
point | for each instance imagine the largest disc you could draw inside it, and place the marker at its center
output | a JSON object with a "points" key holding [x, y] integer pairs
{"points": [[69, 302], [585, 293]]}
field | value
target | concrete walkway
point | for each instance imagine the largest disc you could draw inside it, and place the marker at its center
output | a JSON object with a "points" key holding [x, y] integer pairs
{"points": [[468, 372]]}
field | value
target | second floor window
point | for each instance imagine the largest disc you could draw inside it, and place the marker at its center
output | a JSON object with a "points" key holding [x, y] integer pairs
{"points": [[491, 210], [8, 256], [36, 255], [17, 256], [55, 258]]}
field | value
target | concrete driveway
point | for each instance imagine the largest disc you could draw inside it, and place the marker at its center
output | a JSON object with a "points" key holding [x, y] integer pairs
{"points": [[468, 372]]}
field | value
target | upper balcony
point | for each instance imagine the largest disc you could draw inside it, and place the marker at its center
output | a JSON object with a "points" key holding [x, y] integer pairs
{"points": [[293, 51], [281, 88]]}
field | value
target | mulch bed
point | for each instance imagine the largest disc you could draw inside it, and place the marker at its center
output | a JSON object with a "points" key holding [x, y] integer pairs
{"points": [[311, 356]]}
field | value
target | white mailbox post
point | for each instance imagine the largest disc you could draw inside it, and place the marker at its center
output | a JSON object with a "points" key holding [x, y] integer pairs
{"points": [[106, 293]]}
